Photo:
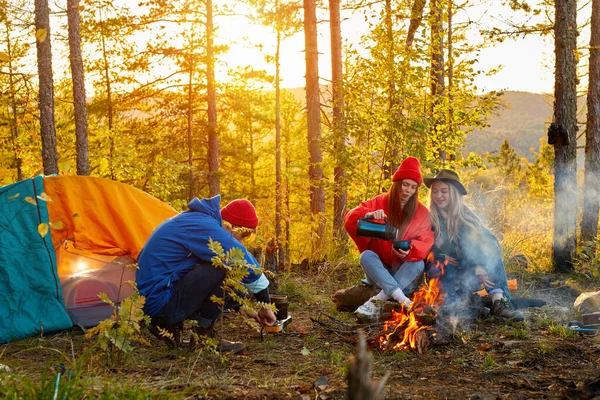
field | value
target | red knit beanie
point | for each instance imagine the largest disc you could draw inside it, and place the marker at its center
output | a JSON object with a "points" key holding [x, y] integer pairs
{"points": [[240, 212], [409, 169]]}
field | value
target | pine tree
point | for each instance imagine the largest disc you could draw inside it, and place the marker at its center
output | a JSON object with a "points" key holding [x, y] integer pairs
{"points": [[591, 184]]}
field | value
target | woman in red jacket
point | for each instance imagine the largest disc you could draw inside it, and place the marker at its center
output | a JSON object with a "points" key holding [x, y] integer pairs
{"points": [[394, 270]]}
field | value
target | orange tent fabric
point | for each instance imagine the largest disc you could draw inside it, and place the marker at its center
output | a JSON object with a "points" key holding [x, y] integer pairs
{"points": [[100, 216]]}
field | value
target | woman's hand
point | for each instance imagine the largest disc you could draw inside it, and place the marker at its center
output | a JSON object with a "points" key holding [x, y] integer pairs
{"points": [[378, 214], [451, 260], [402, 254], [483, 278]]}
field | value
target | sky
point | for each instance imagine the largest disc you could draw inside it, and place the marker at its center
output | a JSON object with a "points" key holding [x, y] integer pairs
{"points": [[526, 62]]}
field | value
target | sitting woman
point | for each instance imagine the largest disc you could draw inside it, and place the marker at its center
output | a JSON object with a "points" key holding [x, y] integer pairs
{"points": [[394, 271], [471, 252]]}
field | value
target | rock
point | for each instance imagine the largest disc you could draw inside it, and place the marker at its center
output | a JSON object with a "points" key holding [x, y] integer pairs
{"points": [[588, 302], [350, 299]]}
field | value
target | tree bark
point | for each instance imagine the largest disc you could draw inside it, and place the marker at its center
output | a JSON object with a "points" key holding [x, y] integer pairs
{"points": [[79, 97], [278, 183], [591, 184], [339, 125], [315, 170], [12, 113], [46, 87], [190, 121], [214, 181], [565, 112], [437, 72]]}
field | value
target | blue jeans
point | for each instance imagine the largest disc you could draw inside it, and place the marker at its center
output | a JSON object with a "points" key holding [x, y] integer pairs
{"points": [[191, 298], [459, 283], [406, 277]]}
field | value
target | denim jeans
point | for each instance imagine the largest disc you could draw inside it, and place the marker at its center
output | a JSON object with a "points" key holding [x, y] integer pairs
{"points": [[191, 298], [459, 283], [406, 277]]}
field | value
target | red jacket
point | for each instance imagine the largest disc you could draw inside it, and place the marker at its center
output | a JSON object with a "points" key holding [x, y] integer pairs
{"points": [[418, 231]]}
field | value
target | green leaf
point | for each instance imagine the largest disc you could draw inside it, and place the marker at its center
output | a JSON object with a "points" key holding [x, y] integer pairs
{"points": [[305, 351]]}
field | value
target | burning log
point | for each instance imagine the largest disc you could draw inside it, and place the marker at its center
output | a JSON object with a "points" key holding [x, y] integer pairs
{"points": [[415, 327]]}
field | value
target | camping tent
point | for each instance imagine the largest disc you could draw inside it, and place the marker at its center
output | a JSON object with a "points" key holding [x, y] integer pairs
{"points": [[64, 240]]}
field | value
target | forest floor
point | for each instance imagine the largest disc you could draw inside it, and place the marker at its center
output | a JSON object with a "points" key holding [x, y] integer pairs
{"points": [[484, 359]]}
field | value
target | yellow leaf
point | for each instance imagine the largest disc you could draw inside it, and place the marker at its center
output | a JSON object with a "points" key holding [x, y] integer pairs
{"points": [[31, 200], [4, 57], [44, 197], [41, 35], [14, 196], [103, 165], [57, 225], [65, 166], [43, 229]]}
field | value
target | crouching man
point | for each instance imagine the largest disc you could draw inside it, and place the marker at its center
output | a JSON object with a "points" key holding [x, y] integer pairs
{"points": [[176, 274]]}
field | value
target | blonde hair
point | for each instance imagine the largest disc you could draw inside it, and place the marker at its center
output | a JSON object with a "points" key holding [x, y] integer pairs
{"points": [[457, 214]]}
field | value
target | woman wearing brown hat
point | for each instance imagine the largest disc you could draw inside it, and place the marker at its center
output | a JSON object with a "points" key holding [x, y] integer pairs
{"points": [[472, 252], [394, 271]]}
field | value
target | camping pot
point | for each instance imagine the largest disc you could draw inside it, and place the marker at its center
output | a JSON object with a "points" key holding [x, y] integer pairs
{"points": [[368, 228], [281, 303]]}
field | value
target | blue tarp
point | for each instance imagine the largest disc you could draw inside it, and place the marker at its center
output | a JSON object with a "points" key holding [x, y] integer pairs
{"points": [[30, 293]]}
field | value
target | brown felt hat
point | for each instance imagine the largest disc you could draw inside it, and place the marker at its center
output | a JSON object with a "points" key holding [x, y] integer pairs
{"points": [[447, 176]]}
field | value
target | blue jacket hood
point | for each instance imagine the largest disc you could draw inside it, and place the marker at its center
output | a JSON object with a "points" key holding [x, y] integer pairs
{"points": [[211, 207]]}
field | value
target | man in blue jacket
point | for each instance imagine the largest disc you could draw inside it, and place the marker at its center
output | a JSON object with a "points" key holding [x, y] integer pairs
{"points": [[176, 274]]}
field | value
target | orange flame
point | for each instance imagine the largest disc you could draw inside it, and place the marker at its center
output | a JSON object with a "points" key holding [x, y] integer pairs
{"points": [[428, 296]]}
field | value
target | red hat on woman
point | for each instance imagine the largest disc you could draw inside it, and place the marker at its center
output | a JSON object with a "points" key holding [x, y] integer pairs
{"points": [[240, 212], [409, 169]]}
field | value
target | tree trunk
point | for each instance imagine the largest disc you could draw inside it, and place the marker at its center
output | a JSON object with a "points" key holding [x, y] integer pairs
{"points": [[437, 73], [339, 125], [109, 102], [46, 87], [315, 171], [12, 108], [278, 183], [565, 149], [79, 97], [214, 181], [390, 161], [591, 184], [450, 90], [190, 121]]}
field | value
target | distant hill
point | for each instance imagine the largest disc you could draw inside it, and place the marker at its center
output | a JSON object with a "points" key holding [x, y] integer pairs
{"points": [[523, 120]]}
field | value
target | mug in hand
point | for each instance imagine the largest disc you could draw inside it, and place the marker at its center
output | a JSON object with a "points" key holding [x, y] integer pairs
{"points": [[402, 245]]}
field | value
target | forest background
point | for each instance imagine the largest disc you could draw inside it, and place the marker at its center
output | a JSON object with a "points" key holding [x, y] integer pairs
{"points": [[167, 113]]}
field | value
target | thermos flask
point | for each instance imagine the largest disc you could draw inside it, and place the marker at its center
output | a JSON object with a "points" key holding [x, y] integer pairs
{"points": [[368, 228]]}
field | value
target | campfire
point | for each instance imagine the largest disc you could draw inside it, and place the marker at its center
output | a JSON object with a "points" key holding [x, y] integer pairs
{"points": [[415, 327]]}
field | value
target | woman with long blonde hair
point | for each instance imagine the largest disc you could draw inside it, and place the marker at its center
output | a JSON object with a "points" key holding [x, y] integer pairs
{"points": [[470, 251]]}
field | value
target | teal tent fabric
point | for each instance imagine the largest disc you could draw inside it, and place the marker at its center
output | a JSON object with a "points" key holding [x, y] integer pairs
{"points": [[30, 293]]}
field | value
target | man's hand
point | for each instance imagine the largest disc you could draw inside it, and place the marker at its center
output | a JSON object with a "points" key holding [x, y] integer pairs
{"points": [[266, 317]]}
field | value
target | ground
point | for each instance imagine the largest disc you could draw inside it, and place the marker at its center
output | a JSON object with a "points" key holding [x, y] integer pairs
{"points": [[487, 359]]}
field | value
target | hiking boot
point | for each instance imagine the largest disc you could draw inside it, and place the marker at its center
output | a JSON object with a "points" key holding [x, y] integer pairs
{"points": [[224, 346], [369, 310], [501, 309], [175, 331]]}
